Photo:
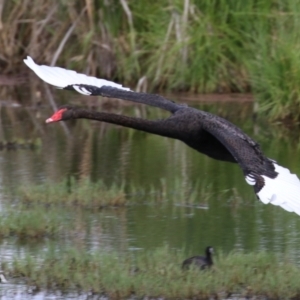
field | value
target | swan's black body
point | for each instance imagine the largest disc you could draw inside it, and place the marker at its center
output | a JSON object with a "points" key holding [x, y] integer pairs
{"points": [[202, 262], [204, 132]]}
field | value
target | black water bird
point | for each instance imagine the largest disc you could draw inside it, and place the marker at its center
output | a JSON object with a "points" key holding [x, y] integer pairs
{"points": [[204, 132], [201, 262]]}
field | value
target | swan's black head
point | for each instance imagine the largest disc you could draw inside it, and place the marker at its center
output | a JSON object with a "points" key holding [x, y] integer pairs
{"points": [[65, 112]]}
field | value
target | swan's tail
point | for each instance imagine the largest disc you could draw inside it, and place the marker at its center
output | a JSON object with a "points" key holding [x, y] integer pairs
{"points": [[92, 86], [283, 190]]}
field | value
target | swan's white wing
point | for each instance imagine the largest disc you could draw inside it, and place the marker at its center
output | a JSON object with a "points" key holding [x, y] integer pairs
{"points": [[283, 190], [63, 78], [92, 86]]}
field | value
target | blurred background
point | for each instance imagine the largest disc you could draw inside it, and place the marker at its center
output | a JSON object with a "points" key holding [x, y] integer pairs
{"points": [[173, 45]]}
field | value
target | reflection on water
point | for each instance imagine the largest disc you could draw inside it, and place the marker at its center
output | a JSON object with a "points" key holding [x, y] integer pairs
{"points": [[234, 218]]}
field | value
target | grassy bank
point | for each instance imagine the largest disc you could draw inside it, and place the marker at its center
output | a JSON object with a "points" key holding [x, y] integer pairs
{"points": [[159, 274], [37, 223], [90, 195], [53, 210], [197, 46], [70, 192]]}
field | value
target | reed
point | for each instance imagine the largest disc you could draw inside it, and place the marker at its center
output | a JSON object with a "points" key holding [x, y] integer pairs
{"points": [[196, 46], [158, 274]]}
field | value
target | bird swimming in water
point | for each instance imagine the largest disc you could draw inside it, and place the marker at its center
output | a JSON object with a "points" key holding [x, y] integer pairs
{"points": [[202, 262], [202, 131]]}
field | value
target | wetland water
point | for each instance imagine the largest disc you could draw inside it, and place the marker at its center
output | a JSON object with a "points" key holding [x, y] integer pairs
{"points": [[225, 212]]}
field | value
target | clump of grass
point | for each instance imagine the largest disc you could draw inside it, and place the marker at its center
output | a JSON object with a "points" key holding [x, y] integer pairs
{"points": [[158, 274], [26, 223], [82, 193], [259, 274], [89, 195]]}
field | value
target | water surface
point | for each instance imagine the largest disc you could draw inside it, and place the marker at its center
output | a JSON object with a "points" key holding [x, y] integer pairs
{"points": [[225, 214]]}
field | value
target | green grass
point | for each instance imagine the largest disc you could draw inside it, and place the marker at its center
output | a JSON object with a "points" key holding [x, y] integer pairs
{"points": [[70, 192], [54, 210], [96, 195], [33, 223], [158, 274]]}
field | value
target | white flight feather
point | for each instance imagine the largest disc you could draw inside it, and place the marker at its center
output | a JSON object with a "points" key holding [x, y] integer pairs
{"points": [[284, 190], [62, 78], [250, 180]]}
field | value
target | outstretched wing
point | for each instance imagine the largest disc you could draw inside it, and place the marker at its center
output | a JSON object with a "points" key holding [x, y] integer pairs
{"points": [[272, 183], [65, 79], [92, 86]]}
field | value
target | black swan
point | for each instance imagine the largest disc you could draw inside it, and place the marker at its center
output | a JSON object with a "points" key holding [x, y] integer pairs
{"points": [[204, 132], [202, 262]]}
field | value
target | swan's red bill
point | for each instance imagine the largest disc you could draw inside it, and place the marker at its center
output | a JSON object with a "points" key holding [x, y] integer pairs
{"points": [[57, 116]]}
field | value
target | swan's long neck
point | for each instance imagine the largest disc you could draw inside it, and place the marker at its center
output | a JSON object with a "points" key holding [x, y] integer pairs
{"points": [[158, 127], [149, 99]]}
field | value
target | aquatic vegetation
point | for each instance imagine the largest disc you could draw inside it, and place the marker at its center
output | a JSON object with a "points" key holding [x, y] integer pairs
{"points": [[70, 192], [158, 274], [37, 223], [96, 195]]}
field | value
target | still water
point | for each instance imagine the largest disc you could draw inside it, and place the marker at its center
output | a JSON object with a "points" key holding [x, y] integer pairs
{"points": [[225, 214]]}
